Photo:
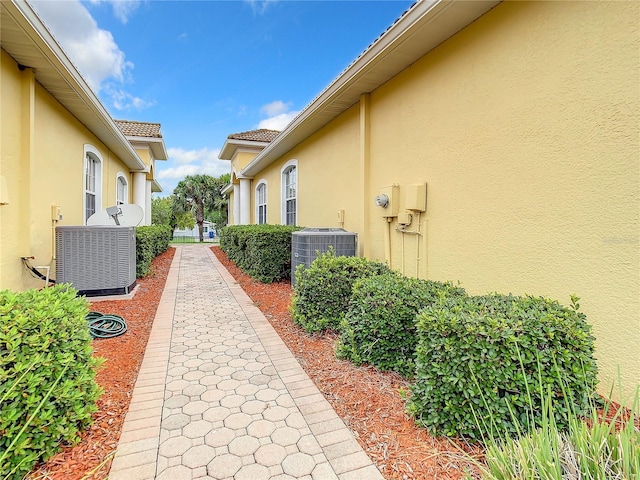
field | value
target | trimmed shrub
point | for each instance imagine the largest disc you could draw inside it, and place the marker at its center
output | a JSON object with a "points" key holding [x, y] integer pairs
{"points": [[47, 375], [261, 251], [379, 327], [483, 364], [151, 241], [323, 290]]}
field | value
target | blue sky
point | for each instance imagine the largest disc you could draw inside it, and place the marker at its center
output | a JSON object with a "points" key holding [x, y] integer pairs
{"points": [[206, 69]]}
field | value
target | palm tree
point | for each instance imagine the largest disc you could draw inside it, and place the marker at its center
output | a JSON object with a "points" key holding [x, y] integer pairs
{"points": [[197, 194]]}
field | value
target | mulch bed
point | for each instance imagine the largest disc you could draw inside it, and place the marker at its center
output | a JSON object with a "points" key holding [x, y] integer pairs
{"points": [[367, 400]]}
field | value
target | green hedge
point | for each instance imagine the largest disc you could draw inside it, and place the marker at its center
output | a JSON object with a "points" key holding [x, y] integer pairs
{"points": [[151, 241], [483, 362], [323, 290], [379, 327], [262, 251], [47, 375]]}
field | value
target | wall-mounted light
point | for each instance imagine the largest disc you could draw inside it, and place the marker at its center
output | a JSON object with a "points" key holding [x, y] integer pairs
{"points": [[382, 200]]}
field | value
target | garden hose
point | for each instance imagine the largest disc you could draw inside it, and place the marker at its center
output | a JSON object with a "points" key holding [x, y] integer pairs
{"points": [[105, 326]]}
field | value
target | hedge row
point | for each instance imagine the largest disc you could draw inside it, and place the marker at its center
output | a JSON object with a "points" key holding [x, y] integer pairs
{"points": [[484, 364], [48, 390], [479, 365], [323, 290], [262, 251], [151, 241]]}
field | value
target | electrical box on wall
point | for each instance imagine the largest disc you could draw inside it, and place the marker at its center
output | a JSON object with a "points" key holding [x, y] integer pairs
{"points": [[388, 200], [404, 218], [416, 197]]}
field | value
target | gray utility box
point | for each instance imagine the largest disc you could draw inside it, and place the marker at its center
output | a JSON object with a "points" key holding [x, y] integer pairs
{"points": [[96, 260], [307, 243]]}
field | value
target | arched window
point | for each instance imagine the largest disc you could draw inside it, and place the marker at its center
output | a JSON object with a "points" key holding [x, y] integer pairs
{"points": [[290, 192], [261, 202], [122, 189], [92, 181]]}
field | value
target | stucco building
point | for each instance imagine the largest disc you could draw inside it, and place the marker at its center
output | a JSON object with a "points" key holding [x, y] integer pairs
{"points": [[62, 156], [506, 139]]}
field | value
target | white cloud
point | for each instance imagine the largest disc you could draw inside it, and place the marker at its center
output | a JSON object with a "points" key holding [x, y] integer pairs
{"points": [[275, 108], [260, 6], [183, 162], [122, 100], [204, 156], [122, 9], [278, 122], [93, 51]]}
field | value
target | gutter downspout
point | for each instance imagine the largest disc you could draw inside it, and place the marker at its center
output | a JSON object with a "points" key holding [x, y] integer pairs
{"points": [[365, 162]]}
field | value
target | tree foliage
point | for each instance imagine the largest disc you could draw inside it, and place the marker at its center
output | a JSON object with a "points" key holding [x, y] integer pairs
{"points": [[162, 211], [196, 194]]}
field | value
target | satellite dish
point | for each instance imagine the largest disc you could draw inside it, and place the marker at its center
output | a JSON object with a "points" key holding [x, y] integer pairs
{"points": [[125, 215]]}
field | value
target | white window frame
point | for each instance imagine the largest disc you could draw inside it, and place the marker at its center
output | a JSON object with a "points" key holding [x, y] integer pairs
{"points": [[285, 192], [92, 181], [121, 177], [261, 204]]}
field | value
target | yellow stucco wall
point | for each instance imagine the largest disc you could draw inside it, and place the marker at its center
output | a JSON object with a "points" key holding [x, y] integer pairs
{"points": [[525, 127], [42, 159]]}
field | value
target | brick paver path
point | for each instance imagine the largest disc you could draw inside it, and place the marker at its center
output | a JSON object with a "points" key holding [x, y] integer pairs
{"points": [[219, 395]]}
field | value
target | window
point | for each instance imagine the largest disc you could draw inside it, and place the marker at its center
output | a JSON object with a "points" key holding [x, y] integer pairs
{"points": [[122, 192], [290, 187], [92, 181], [261, 203]]}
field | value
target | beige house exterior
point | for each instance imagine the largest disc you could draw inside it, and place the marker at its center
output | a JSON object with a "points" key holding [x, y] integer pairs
{"points": [[506, 139], [62, 156]]}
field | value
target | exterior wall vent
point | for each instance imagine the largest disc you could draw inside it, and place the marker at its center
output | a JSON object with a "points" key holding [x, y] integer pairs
{"points": [[307, 243], [96, 260]]}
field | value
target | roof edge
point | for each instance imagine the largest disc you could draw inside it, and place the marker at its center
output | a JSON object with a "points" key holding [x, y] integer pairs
{"points": [[458, 15]]}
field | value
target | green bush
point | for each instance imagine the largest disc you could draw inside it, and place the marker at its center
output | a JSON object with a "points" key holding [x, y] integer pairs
{"points": [[478, 360], [262, 251], [47, 375], [151, 241], [323, 290], [379, 327]]}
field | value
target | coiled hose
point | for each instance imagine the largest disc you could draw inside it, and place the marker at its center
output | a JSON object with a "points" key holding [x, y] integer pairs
{"points": [[105, 326]]}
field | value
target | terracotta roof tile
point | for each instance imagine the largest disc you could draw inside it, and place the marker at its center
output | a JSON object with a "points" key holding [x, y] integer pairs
{"points": [[139, 129], [261, 135]]}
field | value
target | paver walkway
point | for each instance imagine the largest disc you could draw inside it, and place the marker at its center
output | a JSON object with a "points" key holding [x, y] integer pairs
{"points": [[220, 396]]}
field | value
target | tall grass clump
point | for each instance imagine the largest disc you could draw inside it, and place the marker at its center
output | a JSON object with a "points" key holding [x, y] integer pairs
{"points": [[593, 447]]}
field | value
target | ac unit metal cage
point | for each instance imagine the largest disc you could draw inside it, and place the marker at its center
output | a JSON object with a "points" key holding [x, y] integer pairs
{"points": [[96, 260], [307, 243]]}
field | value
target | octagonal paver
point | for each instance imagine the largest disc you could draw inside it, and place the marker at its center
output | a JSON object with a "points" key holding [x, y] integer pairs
{"points": [[219, 437], [198, 456], [224, 466], [298, 464], [270, 454], [244, 445]]}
